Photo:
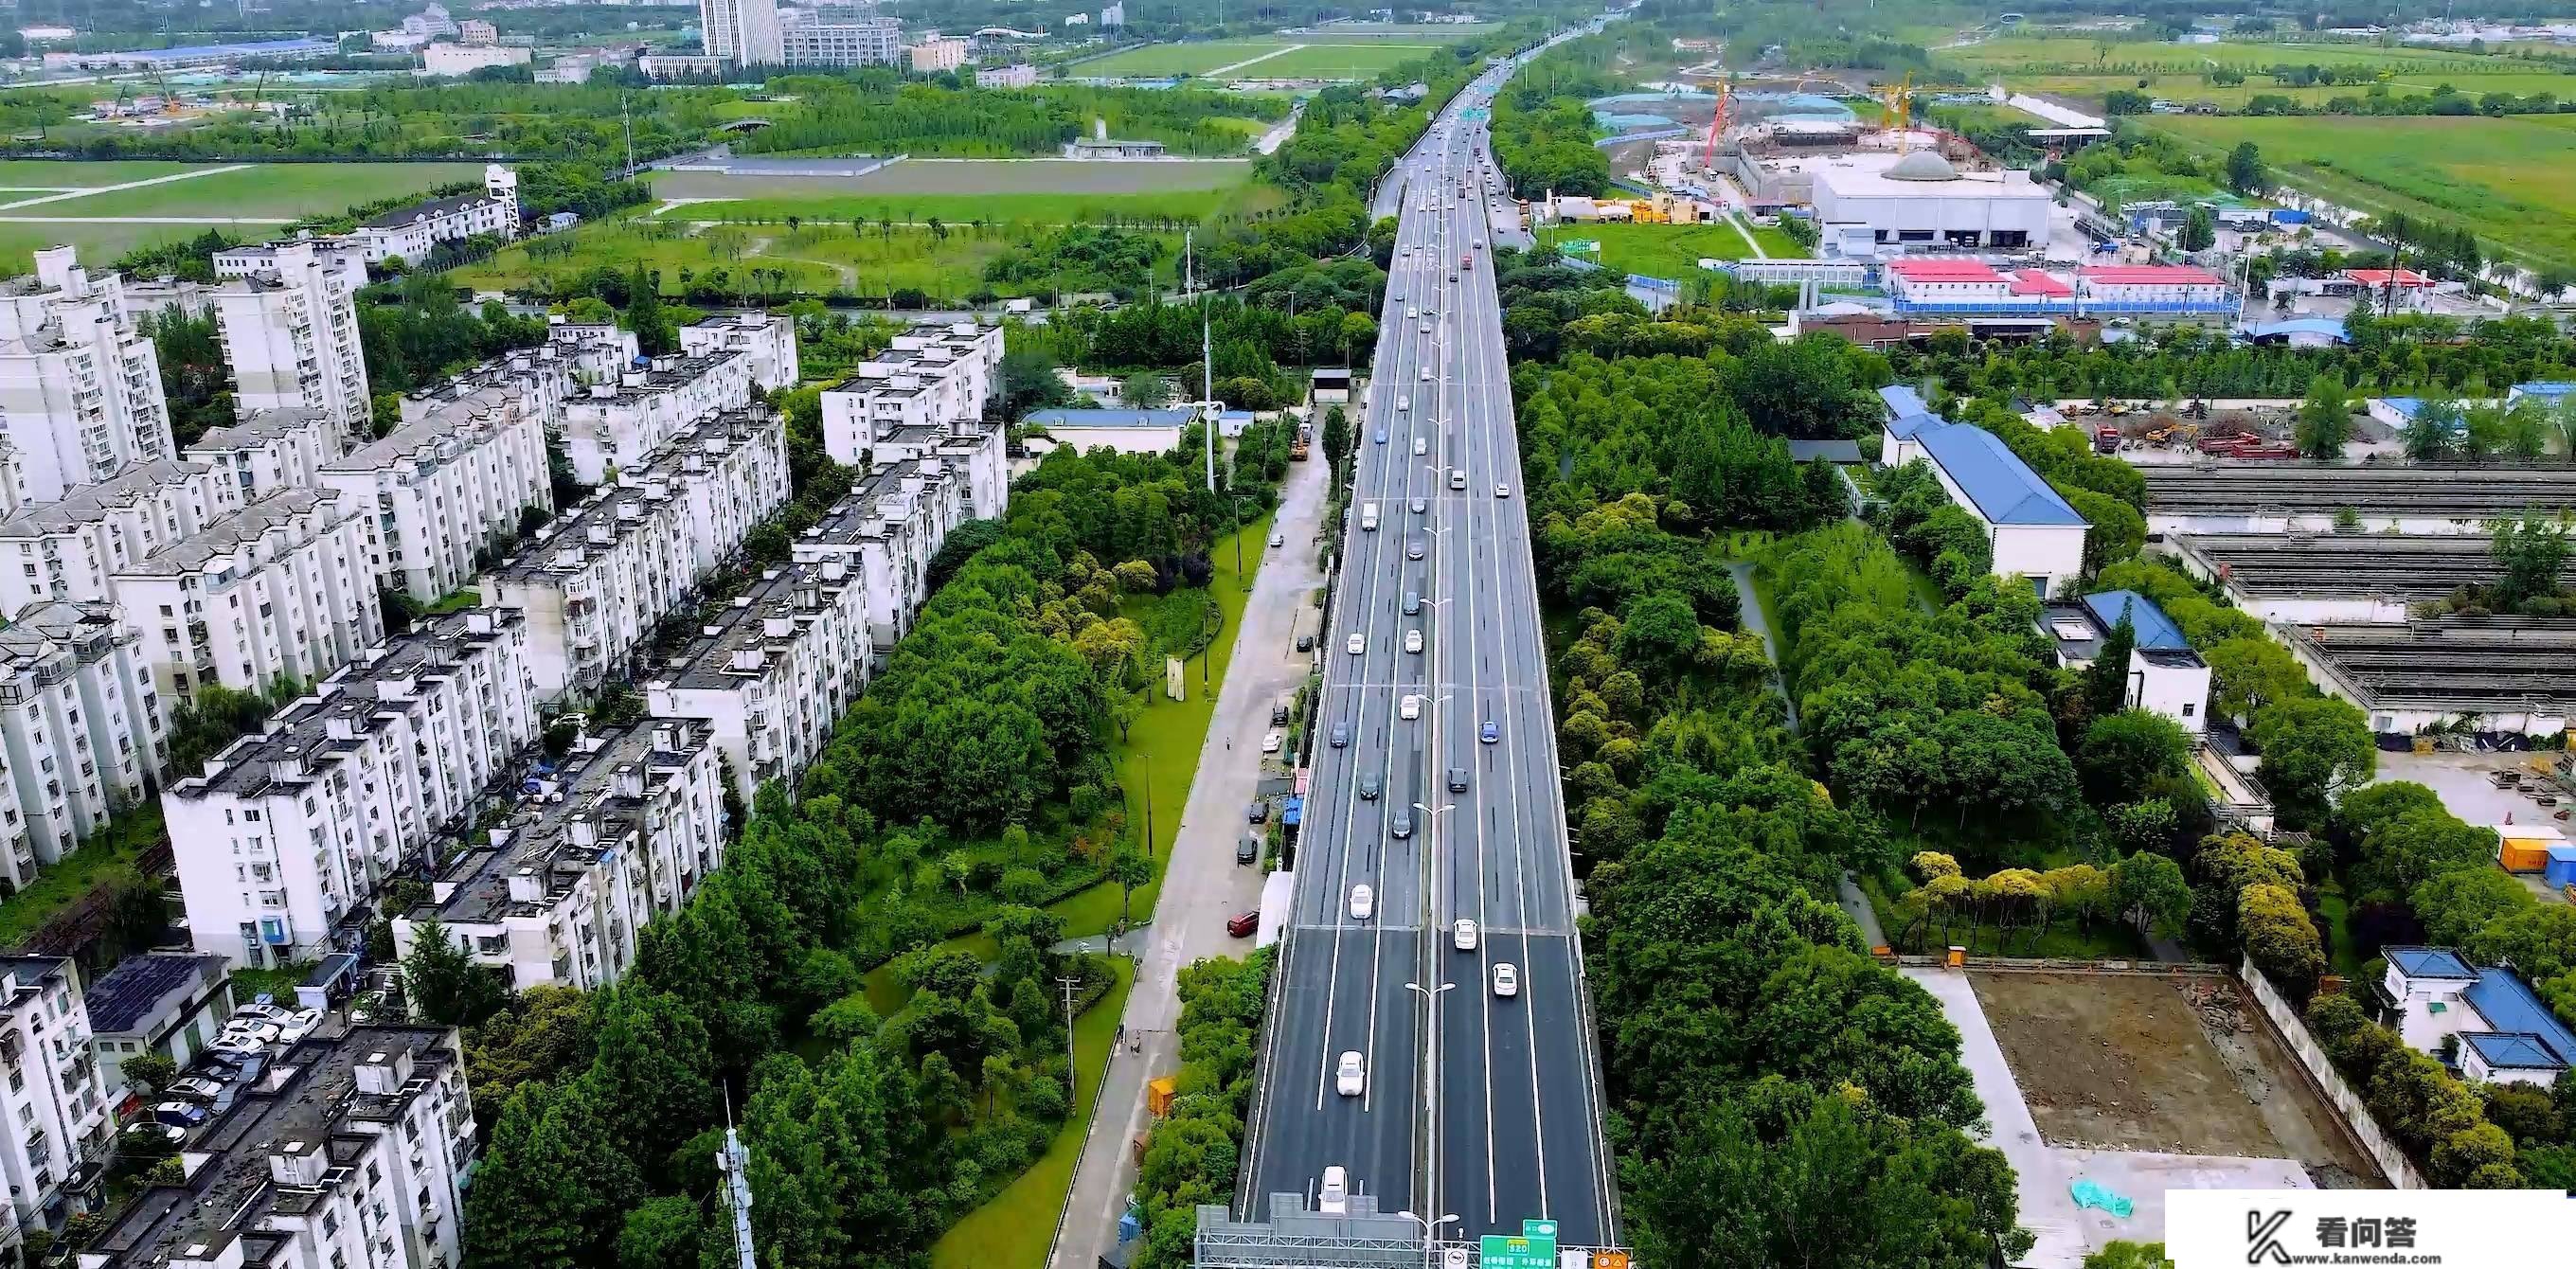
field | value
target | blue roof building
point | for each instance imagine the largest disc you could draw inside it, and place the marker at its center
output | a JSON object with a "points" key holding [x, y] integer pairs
{"points": [[2550, 392], [2147, 621], [2000, 488], [2430, 962], [2505, 1034], [1903, 402]]}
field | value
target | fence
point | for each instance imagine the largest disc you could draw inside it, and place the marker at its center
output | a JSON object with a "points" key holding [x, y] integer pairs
{"points": [[2392, 1161]]}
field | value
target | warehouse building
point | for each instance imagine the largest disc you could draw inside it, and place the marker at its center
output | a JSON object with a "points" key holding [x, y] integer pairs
{"points": [[2501, 675], [2336, 577], [1868, 200], [2411, 498], [2036, 534]]}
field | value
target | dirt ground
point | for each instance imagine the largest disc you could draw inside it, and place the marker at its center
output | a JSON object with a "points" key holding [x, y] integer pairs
{"points": [[969, 176], [2134, 1062]]}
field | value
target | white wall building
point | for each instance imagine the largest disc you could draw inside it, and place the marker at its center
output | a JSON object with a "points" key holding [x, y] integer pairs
{"points": [[769, 339], [742, 32], [291, 336], [285, 837], [1918, 199], [71, 549], [268, 451], [886, 530], [351, 1154], [1015, 75], [81, 722], [618, 425], [477, 31], [57, 1117], [867, 42], [2154, 290], [938, 53], [448, 487], [772, 673], [277, 590], [445, 59], [80, 387], [341, 251], [595, 582], [2504, 1033], [621, 834], [2035, 533], [410, 234], [168, 1003], [932, 376]]}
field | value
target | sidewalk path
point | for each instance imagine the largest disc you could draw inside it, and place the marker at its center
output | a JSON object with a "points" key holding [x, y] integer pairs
{"points": [[1202, 885], [1277, 52]]}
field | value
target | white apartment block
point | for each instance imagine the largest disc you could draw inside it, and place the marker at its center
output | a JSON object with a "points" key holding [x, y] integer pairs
{"points": [[71, 549], [351, 1153], [290, 334], [769, 339], [742, 32], [867, 42], [885, 531], [277, 590], [56, 1107], [595, 582], [268, 451], [443, 58], [80, 720], [341, 253], [938, 53], [447, 488], [772, 673], [284, 839], [1015, 75], [80, 387], [621, 834], [932, 376], [410, 233], [618, 425]]}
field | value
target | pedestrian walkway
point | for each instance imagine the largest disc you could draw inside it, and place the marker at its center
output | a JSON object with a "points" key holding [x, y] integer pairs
{"points": [[1202, 885]]}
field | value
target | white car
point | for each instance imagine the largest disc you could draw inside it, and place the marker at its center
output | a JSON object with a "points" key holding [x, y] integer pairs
{"points": [[298, 1025], [1357, 643], [1426, 326], [1421, 445], [1350, 1075], [1403, 403], [255, 1032], [1413, 641], [1426, 374], [1463, 935], [1363, 903], [1278, 540], [1502, 491], [1507, 980], [263, 1013], [1411, 709], [1270, 741]]}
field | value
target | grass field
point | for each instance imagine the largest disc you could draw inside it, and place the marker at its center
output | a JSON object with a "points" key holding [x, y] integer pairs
{"points": [[1177, 208], [1014, 1229], [251, 202], [1662, 251], [2512, 181], [2034, 55]]}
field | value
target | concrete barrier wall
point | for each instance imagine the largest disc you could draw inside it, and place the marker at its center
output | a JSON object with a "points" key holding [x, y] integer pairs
{"points": [[2393, 1162]]}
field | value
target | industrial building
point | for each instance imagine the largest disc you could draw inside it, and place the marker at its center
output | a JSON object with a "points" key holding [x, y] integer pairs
{"points": [[1869, 201], [2411, 498], [2497, 675], [2035, 533], [2336, 577]]}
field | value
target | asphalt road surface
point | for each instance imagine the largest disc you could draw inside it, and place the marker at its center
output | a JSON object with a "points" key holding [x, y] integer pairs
{"points": [[1474, 1104]]}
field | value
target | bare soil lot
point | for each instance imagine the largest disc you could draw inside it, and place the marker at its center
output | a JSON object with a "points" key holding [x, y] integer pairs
{"points": [[2188, 1066]]}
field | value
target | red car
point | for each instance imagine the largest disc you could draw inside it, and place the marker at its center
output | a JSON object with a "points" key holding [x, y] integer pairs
{"points": [[1242, 924]]}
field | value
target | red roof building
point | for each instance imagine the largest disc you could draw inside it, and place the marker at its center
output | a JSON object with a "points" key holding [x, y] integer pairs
{"points": [[2039, 285], [2148, 275], [1934, 270], [2377, 279]]}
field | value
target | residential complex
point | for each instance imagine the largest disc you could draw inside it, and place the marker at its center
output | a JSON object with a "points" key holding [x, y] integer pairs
{"points": [[351, 1154], [771, 674], [168, 1003], [620, 833], [69, 549], [285, 838], [932, 376], [81, 724], [290, 334], [885, 530], [616, 426], [410, 234], [866, 42], [52, 1152], [267, 451], [596, 581], [449, 486], [768, 339], [80, 386], [742, 32], [937, 53]]}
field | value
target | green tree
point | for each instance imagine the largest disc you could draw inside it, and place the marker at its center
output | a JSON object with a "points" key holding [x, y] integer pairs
{"points": [[2123, 1254], [2106, 680], [2530, 553], [2325, 419], [554, 1186], [2438, 430], [150, 1072], [445, 985], [1145, 390], [544, 1034], [2313, 749], [1130, 868], [662, 1233], [2149, 888], [1337, 436], [655, 332], [2124, 754], [2199, 230], [2245, 172]]}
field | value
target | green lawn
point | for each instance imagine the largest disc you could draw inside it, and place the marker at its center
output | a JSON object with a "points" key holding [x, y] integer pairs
{"points": [[73, 174], [1335, 61], [816, 258], [2081, 55], [2107, 940], [1661, 251], [1176, 207], [1015, 1228], [1323, 57], [107, 859], [266, 189]]}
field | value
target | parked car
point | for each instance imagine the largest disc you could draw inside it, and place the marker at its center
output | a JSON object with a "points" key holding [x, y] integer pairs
{"points": [[1305, 643], [298, 1025], [262, 1012], [1243, 925], [196, 1088], [179, 1114], [1258, 813], [1271, 740], [257, 1032], [239, 1047], [1247, 850], [147, 1129], [1278, 539]]}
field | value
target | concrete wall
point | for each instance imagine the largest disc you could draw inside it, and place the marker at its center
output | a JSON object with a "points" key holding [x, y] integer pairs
{"points": [[2382, 1148]]}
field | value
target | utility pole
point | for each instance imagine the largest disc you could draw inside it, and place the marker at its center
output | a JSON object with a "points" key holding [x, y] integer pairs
{"points": [[1072, 1061], [1209, 411], [735, 1162], [626, 120]]}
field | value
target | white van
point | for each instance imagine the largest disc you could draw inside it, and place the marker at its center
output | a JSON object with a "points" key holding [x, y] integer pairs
{"points": [[1411, 709], [1403, 403], [1368, 515]]}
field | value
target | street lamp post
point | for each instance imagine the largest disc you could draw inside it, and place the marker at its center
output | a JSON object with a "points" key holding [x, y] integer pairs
{"points": [[1429, 1225]]}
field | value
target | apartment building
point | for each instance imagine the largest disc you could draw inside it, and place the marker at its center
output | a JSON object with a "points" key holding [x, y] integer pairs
{"points": [[168, 1003], [596, 581], [277, 590], [80, 720], [772, 673], [71, 548], [58, 1122], [620, 834], [618, 424], [866, 42], [268, 451], [290, 331], [769, 339], [937, 53], [285, 837], [885, 531], [933, 376], [742, 32], [410, 234], [342, 253], [1015, 75], [351, 1152], [448, 487], [80, 387]]}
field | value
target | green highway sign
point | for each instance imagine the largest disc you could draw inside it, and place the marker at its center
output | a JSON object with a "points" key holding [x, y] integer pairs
{"points": [[1534, 1249]]}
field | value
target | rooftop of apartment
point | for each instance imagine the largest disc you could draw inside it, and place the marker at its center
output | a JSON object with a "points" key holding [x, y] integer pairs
{"points": [[425, 211], [662, 374], [259, 429], [304, 1104], [627, 505], [2454, 664], [787, 592], [92, 503], [575, 814], [41, 629], [462, 407], [254, 521], [2412, 489], [301, 736], [860, 513], [2412, 567]]}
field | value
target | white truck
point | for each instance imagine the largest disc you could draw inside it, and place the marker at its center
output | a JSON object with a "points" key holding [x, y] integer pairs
{"points": [[1368, 516]]}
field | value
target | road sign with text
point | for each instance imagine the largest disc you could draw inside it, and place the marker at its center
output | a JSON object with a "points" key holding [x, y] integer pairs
{"points": [[1534, 1249]]}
